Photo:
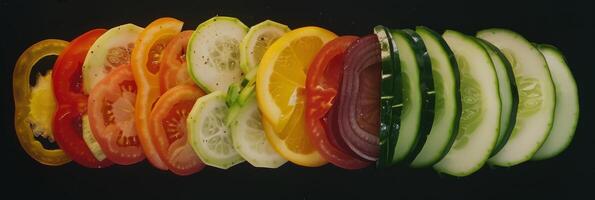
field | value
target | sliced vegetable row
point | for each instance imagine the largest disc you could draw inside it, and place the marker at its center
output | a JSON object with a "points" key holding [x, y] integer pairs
{"points": [[492, 99], [225, 93]]}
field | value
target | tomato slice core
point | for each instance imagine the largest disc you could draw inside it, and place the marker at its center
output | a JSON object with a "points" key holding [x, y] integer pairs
{"points": [[111, 116], [168, 129]]}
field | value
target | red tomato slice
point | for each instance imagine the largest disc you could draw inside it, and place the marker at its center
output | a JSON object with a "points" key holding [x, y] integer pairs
{"points": [[111, 116], [173, 62], [322, 86], [145, 68], [72, 102], [168, 129]]}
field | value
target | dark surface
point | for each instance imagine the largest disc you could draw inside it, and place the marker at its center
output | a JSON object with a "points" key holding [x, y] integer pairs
{"points": [[568, 25]]}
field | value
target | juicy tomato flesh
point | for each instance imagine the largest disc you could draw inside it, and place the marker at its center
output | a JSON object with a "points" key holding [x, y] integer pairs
{"points": [[67, 78], [168, 129], [173, 70], [72, 102], [322, 86], [111, 116]]}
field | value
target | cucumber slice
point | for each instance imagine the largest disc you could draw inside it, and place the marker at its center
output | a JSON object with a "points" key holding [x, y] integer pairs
{"points": [[387, 97], [447, 108], [249, 139], [567, 106], [508, 93], [428, 92], [537, 101], [90, 139], [398, 90], [416, 116], [257, 41], [208, 135], [479, 125], [214, 54], [110, 50]]}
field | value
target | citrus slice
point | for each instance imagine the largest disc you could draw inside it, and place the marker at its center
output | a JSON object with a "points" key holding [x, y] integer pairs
{"points": [[292, 143], [281, 75], [280, 83]]}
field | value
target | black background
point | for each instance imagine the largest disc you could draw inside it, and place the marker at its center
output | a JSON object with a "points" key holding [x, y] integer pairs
{"points": [[569, 25]]}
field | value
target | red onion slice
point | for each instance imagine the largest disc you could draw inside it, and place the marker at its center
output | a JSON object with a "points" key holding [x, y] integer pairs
{"points": [[332, 128], [359, 107]]}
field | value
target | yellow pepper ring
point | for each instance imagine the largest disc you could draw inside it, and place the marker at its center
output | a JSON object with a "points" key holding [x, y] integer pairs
{"points": [[22, 93]]}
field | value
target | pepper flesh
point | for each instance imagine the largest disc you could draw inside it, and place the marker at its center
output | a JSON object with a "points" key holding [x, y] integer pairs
{"points": [[22, 94]]}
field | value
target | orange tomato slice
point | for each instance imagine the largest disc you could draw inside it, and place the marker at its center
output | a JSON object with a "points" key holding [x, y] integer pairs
{"points": [[145, 62]]}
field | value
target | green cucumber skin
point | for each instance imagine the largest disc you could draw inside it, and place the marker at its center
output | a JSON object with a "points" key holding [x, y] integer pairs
{"points": [[503, 138], [428, 99], [387, 89], [542, 153], [455, 123], [237, 95], [416, 88], [401, 152], [233, 93], [397, 97]]}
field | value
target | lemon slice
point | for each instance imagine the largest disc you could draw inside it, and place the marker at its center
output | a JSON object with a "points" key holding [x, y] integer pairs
{"points": [[292, 143], [280, 83], [281, 75]]}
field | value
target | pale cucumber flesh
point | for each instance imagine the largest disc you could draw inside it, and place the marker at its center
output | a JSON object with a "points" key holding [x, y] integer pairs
{"points": [[249, 138], [208, 135], [214, 55], [479, 123], [109, 51], [567, 105], [90, 140], [257, 41], [535, 112], [508, 93], [412, 97]]}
